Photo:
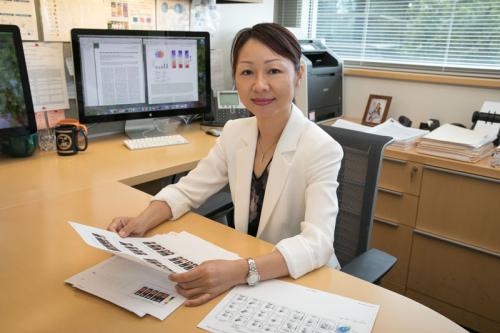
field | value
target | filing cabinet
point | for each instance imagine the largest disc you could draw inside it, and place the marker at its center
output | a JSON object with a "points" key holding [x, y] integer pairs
{"points": [[441, 219]]}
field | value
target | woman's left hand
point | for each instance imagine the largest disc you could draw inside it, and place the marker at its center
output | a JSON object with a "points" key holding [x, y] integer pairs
{"points": [[209, 280]]}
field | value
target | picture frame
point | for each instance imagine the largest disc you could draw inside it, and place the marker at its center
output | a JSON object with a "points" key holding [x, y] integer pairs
{"points": [[376, 110]]}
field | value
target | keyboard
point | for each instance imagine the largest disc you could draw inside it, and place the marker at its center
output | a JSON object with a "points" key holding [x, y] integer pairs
{"points": [[157, 141]]}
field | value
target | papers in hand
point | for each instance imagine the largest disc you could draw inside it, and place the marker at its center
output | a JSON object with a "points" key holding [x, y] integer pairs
{"points": [[404, 137], [278, 306], [136, 278]]}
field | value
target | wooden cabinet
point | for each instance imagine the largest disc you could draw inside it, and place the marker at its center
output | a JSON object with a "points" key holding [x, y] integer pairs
{"points": [[395, 214], [441, 219]]}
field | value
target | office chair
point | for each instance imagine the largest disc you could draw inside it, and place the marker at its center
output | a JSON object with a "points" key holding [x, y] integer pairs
{"points": [[356, 194]]}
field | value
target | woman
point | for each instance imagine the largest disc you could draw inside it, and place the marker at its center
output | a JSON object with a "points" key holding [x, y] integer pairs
{"points": [[282, 170]]}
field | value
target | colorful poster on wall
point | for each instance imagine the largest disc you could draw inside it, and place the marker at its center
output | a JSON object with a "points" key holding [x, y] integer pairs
{"points": [[131, 14]]}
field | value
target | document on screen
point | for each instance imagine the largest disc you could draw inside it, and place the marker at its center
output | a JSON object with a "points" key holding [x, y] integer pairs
{"points": [[172, 71]]}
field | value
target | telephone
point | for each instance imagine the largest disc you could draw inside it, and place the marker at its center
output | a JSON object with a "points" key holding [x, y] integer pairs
{"points": [[226, 106]]}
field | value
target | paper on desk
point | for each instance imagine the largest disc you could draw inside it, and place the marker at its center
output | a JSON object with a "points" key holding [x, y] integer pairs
{"points": [[130, 285], [449, 133], [278, 306], [166, 253]]}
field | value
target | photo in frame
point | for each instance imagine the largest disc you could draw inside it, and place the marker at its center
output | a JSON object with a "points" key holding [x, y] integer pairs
{"points": [[376, 110]]}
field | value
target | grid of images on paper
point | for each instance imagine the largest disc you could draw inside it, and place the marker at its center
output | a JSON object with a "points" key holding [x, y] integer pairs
{"points": [[132, 248], [154, 295], [247, 314], [158, 248], [183, 263], [101, 239], [157, 264]]}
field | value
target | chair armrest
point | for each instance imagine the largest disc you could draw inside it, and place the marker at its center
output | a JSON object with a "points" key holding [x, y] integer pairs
{"points": [[370, 266], [217, 204]]}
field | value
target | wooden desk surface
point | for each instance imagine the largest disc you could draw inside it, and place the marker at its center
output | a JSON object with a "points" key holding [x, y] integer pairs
{"points": [[39, 250], [46, 174]]}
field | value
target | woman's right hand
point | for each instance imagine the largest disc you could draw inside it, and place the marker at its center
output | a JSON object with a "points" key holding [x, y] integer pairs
{"points": [[128, 226]]}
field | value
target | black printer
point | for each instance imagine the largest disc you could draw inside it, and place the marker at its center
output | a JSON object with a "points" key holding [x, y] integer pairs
{"points": [[321, 96]]}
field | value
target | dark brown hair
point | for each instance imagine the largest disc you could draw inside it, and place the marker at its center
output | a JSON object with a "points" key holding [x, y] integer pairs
{"points": [[274, 36]]}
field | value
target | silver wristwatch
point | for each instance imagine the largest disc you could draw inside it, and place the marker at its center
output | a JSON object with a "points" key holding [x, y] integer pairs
{"points": [[253, 276]]}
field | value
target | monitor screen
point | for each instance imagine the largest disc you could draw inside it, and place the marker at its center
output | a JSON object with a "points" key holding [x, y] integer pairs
{"points": [[128, 74], [16, 107]]}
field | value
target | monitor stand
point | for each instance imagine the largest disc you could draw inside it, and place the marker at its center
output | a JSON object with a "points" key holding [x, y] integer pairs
{"points": [[152, 127]]}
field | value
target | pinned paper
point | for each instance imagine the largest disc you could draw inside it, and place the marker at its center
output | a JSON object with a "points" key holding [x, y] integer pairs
{"points": [[46, 75], [53, 117]]}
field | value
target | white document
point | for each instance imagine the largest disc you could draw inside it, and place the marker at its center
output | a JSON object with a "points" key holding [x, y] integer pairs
{"points": [[341, 123], [172, 14], [491, 107], [136, 277], [132, 286], [22, 14], [399, 132], [171, 252], [449, 133], [172, 70], [60, 16], [487, 129], [131, 14], [277, 306], [113, 71], [46, 75]]}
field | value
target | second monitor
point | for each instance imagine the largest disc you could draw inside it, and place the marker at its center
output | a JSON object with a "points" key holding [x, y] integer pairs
{"points": [[129, 75]]}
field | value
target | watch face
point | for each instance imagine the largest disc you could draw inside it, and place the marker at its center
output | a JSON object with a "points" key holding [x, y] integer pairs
{"points": [[253, 279]]}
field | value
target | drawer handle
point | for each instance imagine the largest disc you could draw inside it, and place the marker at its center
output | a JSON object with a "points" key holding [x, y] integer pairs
{"points": [[387, 222], [461, 244], [458, 173], [399, 194], [395, 160]]}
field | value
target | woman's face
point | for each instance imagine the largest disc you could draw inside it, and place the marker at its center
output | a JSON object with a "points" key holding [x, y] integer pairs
{"points": [[265, 80]]}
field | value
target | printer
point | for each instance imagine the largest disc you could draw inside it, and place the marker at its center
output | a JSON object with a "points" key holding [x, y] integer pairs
{"points": [[320, 94]]}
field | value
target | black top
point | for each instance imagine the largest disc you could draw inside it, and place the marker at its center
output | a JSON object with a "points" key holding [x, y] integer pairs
{"points": [[257, 191]]}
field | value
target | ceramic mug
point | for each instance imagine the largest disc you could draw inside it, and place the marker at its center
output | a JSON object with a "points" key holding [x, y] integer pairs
{"points": [[70, 139]]}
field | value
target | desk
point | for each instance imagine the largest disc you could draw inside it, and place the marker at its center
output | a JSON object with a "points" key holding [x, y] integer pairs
{"points": [[39, 250]]}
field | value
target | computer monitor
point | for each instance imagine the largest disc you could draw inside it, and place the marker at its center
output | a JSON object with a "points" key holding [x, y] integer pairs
{"points": [[136, 74], [17, 116]]}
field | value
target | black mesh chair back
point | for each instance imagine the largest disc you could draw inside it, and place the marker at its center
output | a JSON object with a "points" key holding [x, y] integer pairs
{"points": [[357, 189]]}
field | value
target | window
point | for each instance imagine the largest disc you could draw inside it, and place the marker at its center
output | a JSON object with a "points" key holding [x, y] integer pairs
{"points": [[449, 36]]}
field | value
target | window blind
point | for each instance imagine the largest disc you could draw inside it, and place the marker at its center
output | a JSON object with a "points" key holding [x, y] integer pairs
{"points": [[449, 36]]}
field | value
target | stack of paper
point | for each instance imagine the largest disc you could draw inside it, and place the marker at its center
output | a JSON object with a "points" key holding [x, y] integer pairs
{"points": [[456, 143], [136, 278], [404, 137]]}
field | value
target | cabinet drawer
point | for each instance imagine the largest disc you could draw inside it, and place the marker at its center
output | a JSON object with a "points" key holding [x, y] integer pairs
{"points": [[395, 206], [460, 206], [400, 176], [456, 275], [396, 240]]}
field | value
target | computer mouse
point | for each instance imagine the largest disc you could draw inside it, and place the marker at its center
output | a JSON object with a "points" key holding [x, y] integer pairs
{"points": [[213, 131]]}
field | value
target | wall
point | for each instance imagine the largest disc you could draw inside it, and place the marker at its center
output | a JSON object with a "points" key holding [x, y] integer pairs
{"points": [[416, 100], [235, 17]]}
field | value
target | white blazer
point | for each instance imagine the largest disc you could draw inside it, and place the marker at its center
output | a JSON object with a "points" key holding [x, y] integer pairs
{"points": [[300, 203]]}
